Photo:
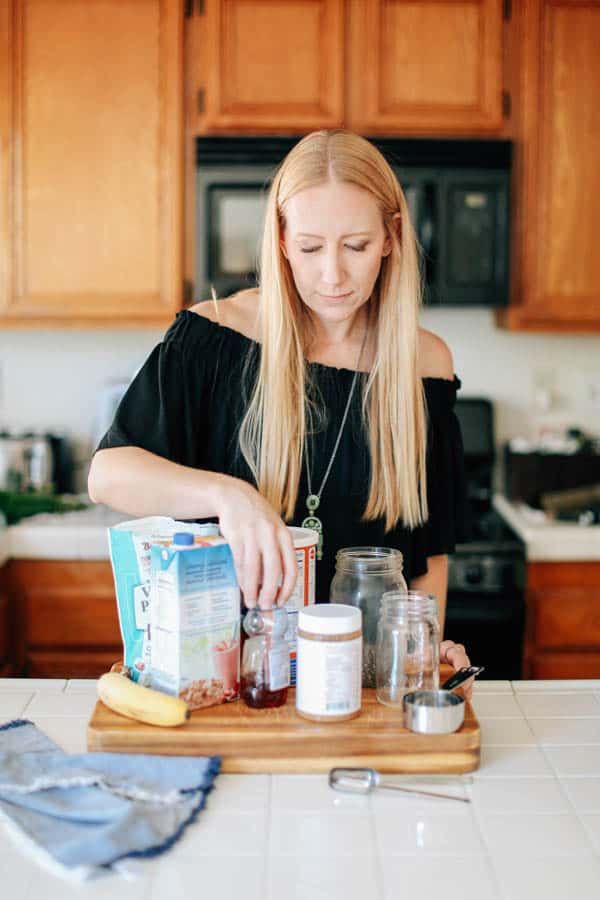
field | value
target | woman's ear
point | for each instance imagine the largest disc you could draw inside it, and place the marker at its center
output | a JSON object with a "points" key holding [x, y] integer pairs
{"points": [[397, 224]]}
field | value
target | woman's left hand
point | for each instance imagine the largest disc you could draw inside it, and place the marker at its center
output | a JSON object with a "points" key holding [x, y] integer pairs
{"points": [[456, 656]]}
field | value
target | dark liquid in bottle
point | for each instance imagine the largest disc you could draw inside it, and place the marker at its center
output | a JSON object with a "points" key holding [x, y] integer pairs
{"points": [[255, 694]]}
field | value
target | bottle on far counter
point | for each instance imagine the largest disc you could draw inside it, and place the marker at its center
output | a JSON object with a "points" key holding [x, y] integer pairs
{"points": [[265, 658]]}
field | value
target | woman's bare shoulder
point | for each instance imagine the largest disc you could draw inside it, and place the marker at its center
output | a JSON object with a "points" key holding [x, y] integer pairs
{"points": [[238, 312], [435, 358]]}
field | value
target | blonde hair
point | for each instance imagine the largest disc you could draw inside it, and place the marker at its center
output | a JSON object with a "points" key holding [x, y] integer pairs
{"points": [[273, 430]]}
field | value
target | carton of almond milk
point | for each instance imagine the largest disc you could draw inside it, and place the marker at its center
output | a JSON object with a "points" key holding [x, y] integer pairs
{"points": [[129, 546], [195, 622]]}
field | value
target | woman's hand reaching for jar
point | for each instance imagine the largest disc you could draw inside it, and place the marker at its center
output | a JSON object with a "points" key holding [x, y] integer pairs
{"points": [[455, 655]]}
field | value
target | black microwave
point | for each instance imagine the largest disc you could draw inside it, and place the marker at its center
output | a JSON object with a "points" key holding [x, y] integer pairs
{"points": [[458, 194]]}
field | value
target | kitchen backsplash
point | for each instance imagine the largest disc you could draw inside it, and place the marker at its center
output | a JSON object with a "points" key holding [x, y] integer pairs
{"points": [[50, 381]]}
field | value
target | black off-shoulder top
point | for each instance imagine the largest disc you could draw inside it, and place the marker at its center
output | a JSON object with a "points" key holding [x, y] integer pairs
{"points": [[187, 402]]}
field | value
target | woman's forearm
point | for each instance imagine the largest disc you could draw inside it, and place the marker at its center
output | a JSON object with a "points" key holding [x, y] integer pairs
{"points": [[140, 483], [435, 581]]}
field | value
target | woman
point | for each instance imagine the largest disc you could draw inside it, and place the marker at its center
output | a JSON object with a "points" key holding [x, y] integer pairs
{"points": [[315, 396]]}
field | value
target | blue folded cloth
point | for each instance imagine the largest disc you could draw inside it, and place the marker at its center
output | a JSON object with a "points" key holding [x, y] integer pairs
{"points": [[87, 814]]}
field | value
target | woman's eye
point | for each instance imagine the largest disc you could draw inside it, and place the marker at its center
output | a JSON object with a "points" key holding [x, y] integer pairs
{"points": [[349, 246]]}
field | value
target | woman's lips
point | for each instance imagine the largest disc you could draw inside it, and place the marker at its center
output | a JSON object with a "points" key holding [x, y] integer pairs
{"points": [[335, 296]]}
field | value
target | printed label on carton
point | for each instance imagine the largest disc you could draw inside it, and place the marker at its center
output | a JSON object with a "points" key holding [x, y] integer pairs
{"points": [[129, 545], [195, 615]]}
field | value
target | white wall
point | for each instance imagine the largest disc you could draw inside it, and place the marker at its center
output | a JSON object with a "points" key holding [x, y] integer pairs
{"points": [[49, 380]]}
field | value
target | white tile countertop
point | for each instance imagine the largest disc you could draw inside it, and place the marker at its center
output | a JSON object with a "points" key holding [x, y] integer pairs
{"points": [[549, 541], [72, 535], [532, 831], [82, 535]]}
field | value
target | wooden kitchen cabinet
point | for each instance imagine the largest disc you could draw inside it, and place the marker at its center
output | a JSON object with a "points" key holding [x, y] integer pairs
{"points": [[375, 66], [91, 162], [428, 67], [563, 620], [556, 196], [66, 621], [5, 627], [275, 65]]}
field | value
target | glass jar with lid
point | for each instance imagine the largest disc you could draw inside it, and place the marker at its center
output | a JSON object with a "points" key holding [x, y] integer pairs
{"points": [[362, 576], [408, 646]]}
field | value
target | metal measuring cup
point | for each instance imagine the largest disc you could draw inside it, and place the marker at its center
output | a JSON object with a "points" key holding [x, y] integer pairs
{"points": [[441, 711]]}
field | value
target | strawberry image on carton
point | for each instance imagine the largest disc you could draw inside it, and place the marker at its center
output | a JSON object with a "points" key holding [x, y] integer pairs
{"points": [[195, 620]]}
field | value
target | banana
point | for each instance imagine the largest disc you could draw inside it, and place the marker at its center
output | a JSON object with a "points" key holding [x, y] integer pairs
{"points": [[136, 702]]}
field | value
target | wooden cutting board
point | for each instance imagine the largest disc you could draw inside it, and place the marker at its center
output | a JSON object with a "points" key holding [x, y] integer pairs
{"points": [[279, 740]]}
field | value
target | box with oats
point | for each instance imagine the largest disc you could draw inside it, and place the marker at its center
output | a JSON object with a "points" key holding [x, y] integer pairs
{"points": [[195, 621]]}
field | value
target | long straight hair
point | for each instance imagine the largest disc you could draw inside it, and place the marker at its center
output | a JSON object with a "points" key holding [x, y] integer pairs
{"points": [[273, 430]]}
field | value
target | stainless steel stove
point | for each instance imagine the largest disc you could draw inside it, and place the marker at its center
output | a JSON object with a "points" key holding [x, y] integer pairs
{"points": [[486, 579]]}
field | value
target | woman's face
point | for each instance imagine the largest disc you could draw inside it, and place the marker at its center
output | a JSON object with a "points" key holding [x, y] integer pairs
{"points": [[334, 240]]}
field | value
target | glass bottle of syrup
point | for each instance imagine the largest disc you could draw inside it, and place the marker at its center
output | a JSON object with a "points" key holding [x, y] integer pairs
{"points": [[265, 658]]}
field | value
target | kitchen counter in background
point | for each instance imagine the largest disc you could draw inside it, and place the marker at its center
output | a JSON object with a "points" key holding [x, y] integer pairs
{"points": [[82, 535], [549, 541], [71, 535], [532, 831]]}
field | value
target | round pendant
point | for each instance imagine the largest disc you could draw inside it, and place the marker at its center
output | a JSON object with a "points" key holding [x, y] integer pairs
{"points": [[314, 523], [312, 502]]}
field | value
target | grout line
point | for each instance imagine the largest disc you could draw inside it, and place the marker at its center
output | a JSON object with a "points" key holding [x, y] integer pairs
{"points": [[29, 702], [576, 813], [267, 854], [487, 855], [378, 855]]}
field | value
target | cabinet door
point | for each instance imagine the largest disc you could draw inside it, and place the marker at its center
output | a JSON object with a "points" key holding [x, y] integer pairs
{"points": [[91, 114], [266, 66], [5, 629], [557, 280], [68, 623], [563, 620], [427, 66]]}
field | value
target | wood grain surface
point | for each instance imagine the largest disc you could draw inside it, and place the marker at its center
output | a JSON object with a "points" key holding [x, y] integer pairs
{"points": [[279, 740]]}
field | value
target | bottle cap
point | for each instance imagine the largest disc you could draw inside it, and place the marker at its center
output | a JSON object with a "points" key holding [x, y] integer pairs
{"points": [[334, 618], [183, 539]]}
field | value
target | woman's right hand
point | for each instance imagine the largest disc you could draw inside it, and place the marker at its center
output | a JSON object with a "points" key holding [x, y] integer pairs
{"points": [[261, 544]]}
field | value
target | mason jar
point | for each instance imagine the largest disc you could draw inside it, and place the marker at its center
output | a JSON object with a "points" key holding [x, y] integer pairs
{"points": [[362, 576], [408, 646]]}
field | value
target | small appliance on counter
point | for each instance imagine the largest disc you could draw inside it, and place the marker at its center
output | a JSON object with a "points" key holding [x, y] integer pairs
{"points": [[580, 506], [530, 471], [35, 463]]}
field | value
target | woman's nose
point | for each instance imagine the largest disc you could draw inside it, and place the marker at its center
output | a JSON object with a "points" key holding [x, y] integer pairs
{"points": [[332, 268]]}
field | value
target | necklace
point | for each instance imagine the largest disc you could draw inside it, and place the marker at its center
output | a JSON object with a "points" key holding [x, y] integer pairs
{"points": [[313, 500]]}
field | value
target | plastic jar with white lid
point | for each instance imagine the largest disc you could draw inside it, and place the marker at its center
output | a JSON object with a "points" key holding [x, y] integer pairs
{"points": [[329, 662]]}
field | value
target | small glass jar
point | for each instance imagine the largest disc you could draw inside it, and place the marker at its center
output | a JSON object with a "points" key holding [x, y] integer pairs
{"points": [[265, 658], [362, 576], [408, 646]]}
